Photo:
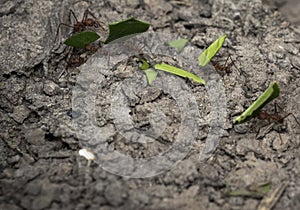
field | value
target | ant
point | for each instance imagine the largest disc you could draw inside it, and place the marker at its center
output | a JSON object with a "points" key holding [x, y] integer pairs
{"points": [[274, 118], [75, 56], [226, 68], [82, 25]]}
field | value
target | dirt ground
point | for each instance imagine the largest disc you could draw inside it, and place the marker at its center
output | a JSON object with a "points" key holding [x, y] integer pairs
{"points": [[40, 167]]}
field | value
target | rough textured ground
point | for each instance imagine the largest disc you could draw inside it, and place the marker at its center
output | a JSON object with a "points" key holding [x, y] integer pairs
{"points": [[39, 163]]}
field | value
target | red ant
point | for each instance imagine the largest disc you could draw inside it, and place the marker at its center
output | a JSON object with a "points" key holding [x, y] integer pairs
{"points": [[79, 26], [226, 68], [82, 25], [274, 118]]}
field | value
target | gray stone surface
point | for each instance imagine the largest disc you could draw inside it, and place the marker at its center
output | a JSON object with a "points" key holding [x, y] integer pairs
{"points": [[20, 113], [39, 163]]}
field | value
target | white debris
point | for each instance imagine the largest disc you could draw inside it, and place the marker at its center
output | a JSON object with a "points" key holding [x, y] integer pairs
{"points": [[87, 154]]}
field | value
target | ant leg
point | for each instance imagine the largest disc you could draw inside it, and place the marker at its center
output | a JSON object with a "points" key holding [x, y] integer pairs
{"points": [[256, 136], [88, 12], [291, 115], [68, 53], [226, 60], [267, 131], [57, 31], [277, 106], [58, 27], [295, 119], [258, 132], [74, 16], [233, 63], [71, 13], [85, 14], [225, 68]]}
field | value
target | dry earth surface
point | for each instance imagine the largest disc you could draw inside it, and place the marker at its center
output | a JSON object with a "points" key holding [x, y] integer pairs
{"points": [[40, 167]]}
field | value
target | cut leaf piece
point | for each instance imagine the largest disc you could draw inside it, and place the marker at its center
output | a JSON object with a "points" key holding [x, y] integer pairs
{"points": [[271, 93], [211, 51], [179, 44], [124, 28], [151, 75], [254, 191], [179, 72], [145, 65], [80, 40]]}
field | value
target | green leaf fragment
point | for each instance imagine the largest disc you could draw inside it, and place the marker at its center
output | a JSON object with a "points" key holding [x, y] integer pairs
{"points": [[124, 28], [151, 75], [145, 65], [82, 39], [179, 72], [271, 93], [254, 191], [179, 44], [211, 51]]}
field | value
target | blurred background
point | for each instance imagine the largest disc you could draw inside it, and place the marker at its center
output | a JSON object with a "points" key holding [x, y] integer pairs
{"points": [[289, 8]]}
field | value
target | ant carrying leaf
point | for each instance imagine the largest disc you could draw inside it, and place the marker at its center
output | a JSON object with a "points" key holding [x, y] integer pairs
{"points": [[255, 109], [274, 118], [208, 54], [211, 51], [117, 30], [271, 93], [82, 38]]}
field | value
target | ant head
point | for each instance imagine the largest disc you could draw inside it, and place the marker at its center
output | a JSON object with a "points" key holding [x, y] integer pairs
{"points": [[262, 115]]}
